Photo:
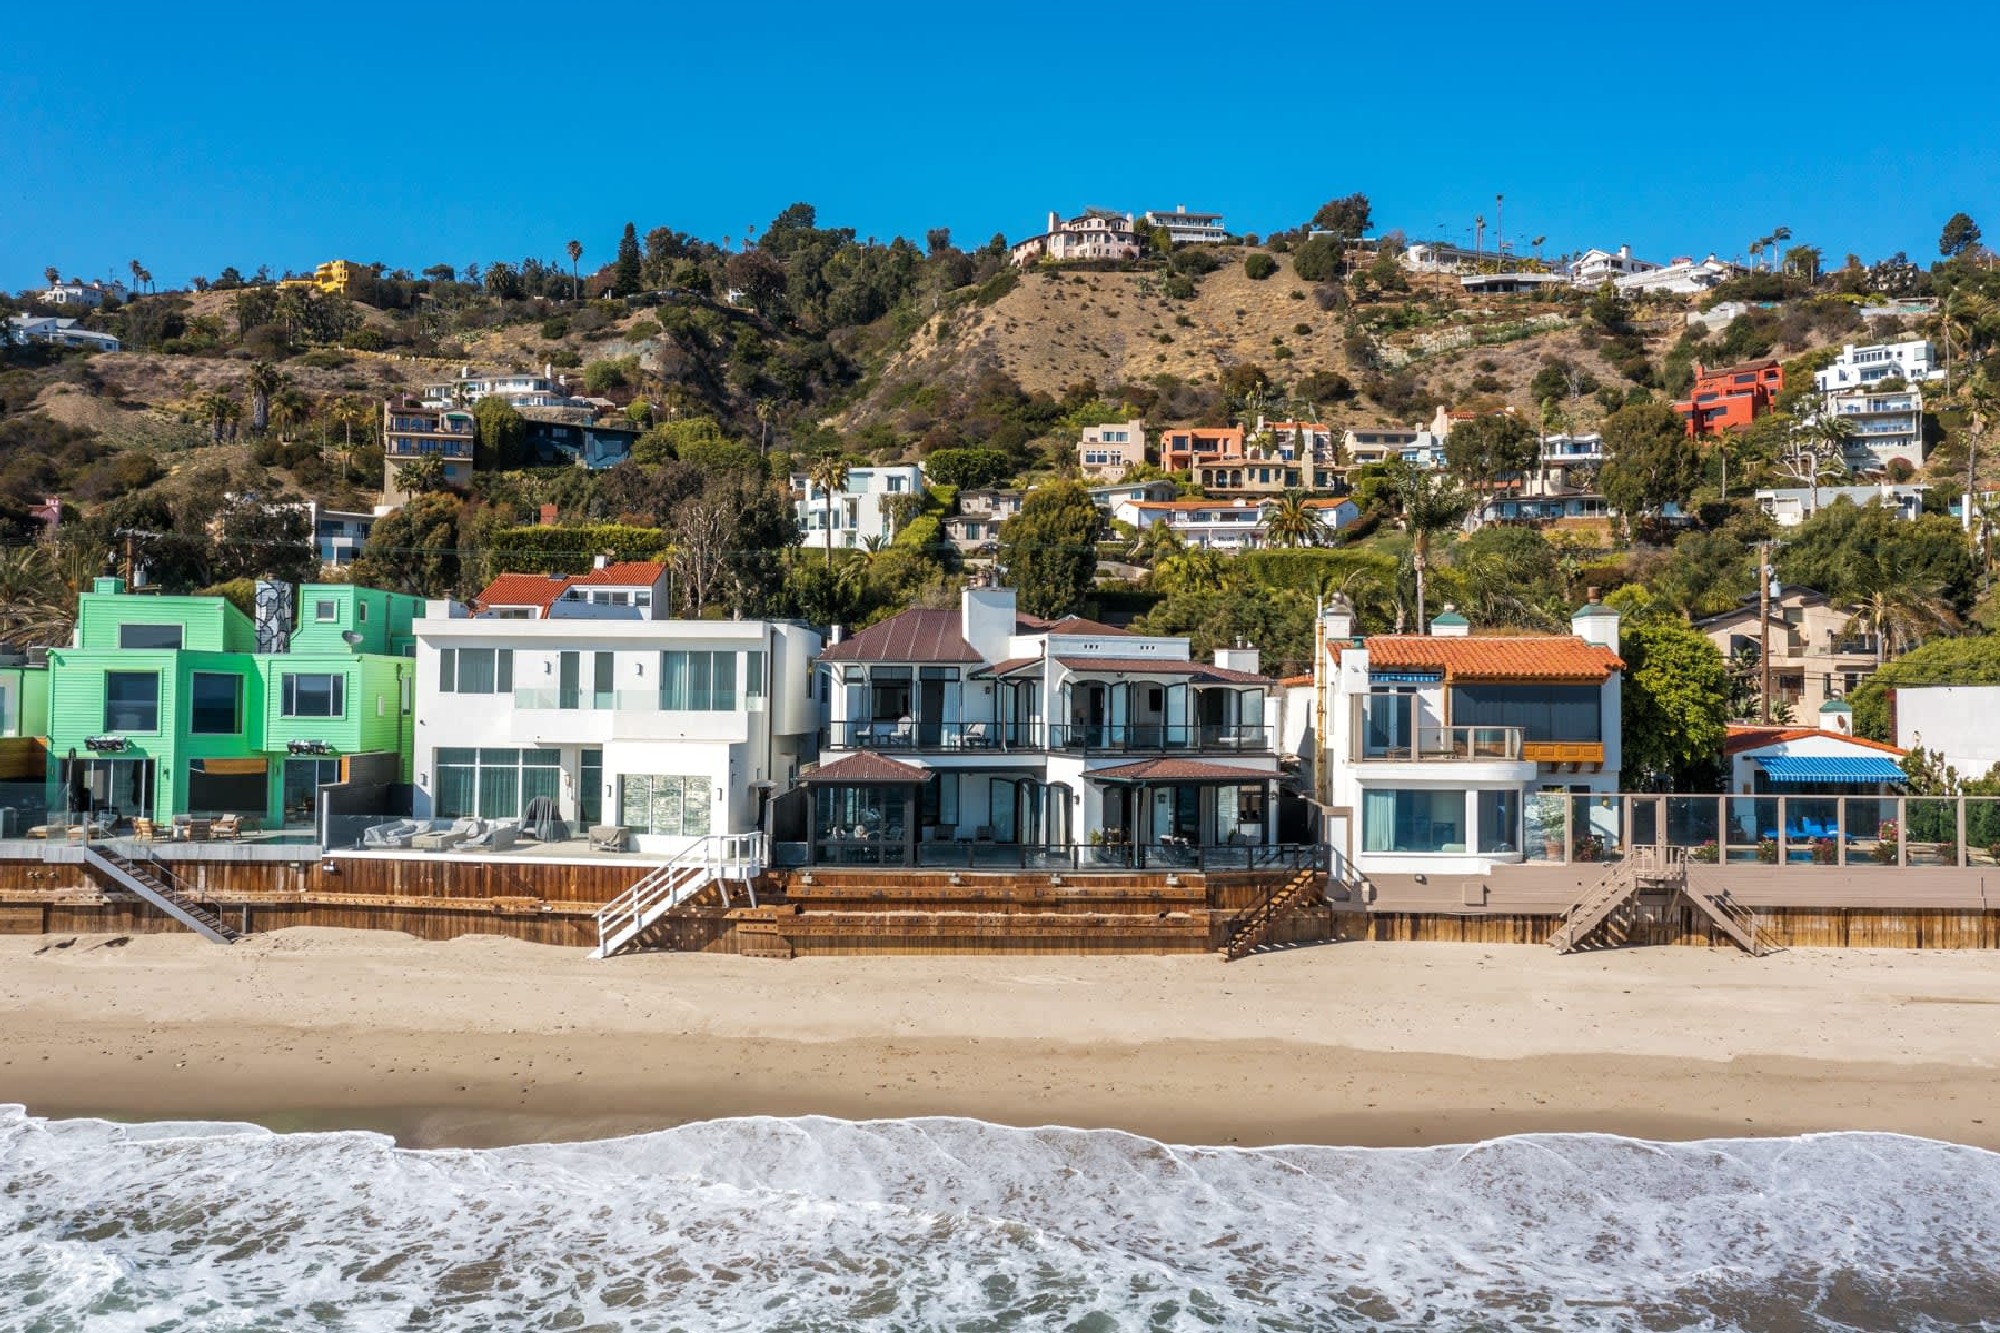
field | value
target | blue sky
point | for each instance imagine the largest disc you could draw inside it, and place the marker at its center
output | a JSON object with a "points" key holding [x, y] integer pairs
{"points": [[416, 133]]}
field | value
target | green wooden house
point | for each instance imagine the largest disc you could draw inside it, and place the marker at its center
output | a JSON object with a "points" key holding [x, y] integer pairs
{"points": [[166, 706]]}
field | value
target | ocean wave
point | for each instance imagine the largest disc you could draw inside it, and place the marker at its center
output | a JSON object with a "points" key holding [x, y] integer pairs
{"points": [[813, 1224]]}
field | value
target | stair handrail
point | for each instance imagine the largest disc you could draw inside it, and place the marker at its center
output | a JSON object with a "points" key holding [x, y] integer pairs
{"points": [[1244, 921], [728, 856]]}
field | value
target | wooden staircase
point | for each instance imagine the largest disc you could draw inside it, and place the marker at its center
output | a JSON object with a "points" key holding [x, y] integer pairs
{"points": [[1252, 930], [148, 879], [1612, 901]]}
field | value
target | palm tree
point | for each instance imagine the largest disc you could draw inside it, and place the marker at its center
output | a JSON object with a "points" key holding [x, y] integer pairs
{"points": [[1428, 502], [138, 281], [1901, 616], [575, 249], [53, 274], [1815, 451], [290, 409], [218, 409], [1292, 523], [1157, 542], [264, 379], [829, 473]]}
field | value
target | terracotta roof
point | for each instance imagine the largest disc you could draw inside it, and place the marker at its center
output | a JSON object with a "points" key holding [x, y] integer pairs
{"points": [[1176, 770], [1742, 738], [916, 635], [865, 767], [1223, 502], [1084, 625], [1293, 682], [626, 574], [1495, 657], [1164, 667], [523, 590]]}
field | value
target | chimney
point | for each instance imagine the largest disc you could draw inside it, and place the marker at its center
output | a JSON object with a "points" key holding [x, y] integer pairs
{"points": [[986, 617], [1835, 715], [1449, 624], [599, 561], [1338, 613], [1624, 252], [1241, 657], [835, 633], [548, 515], [274, 615], [1055, 220], [1594, 622]]}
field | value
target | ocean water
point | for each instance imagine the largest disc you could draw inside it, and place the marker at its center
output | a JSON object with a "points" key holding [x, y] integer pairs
{"points": [[815, 1224]]}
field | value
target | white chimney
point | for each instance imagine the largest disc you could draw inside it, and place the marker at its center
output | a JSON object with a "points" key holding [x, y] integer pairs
{"points": [[1338, 613], [1594, 622], [1055, 219], [1242, 657], [599, 561], [1449, 624], [986, 618]]}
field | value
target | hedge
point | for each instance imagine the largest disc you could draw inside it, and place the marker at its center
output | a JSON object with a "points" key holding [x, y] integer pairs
{"points": [[540, 550]]}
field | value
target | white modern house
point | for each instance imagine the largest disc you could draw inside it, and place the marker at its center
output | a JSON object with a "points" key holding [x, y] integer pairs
{"points": [[1683, 276], [1418, 446], [87, 295], [984, 736], [1451, 753], [57, 331], [669, 729], [1789, 506], [1593, 268], [517, 388], [1911, 360], [1189, 228], [856, 513], [1885, 425], [1225, 524]]}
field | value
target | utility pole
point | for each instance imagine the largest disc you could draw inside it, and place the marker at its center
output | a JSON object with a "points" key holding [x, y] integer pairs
{"points": [[1764, 631]]}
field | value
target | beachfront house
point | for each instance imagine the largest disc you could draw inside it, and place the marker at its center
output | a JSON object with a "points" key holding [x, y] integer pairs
{"points": [[166, 706], [982, 736], [621, 716], [1434, 744]]}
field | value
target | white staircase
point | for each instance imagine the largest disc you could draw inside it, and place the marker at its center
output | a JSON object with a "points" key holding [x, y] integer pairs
{"points": [[721, 859], [145, 877]]}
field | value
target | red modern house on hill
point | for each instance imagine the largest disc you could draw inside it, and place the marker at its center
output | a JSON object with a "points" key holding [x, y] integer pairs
{"points": [[1730, 397]]}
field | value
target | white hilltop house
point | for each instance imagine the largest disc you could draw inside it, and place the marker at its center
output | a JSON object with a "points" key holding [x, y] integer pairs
{"points": [[1912, 360], [855, 514], [672, 730], [1445, 752], [1187, 228]]}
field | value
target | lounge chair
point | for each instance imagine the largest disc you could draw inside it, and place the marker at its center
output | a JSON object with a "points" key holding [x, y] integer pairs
{"points": [[444, 840], [607, 838], [497, 837], [396, 833]]}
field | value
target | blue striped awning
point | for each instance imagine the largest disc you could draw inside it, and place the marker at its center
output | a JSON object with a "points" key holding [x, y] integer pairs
{"points": [[1831, 768]]}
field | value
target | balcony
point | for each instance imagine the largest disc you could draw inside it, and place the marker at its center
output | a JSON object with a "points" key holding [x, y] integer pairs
{"points": [[913, 735], [1155, 737], [1439, 745], [551, 715]]}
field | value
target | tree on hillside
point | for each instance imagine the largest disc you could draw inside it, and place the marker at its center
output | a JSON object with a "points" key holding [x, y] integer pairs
{"points": [[1960, 235], [420, 475], [1048, 551], [256, 540], [1649, 461], [967, 469], [1854, 552], [53, 274], [937, 240], [1707, 574], [575, 249], [828, 472], [1427, 503], [1347, 218], [1676, 703], [1813, 452], [1318, 259], [221, 411], [1292, 523], [413, 550], [627, 276], [1490, 447], [264, 380], [500, 438], [1510, 576]]}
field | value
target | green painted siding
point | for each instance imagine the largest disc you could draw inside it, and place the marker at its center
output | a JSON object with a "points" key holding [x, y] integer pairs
{"points": [[206, 622], [27, 701]]}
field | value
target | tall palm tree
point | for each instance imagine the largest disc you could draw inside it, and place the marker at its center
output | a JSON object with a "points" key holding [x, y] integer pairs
{"points": [[1157, 542], [264, 380], [575, 249], [829, 473], [53, 274], [1902, 615], [138, 280], [1428, 503], [1292, 523], [290, 410]]}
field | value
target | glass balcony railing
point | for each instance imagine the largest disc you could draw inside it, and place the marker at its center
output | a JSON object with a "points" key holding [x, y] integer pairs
{"points": [[1438, 745]]}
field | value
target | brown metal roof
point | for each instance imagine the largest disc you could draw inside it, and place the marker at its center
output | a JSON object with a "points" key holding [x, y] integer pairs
{"points": [[1198, 671], [916, 635], [865, 768], [1008, 667], [1177, 770]]}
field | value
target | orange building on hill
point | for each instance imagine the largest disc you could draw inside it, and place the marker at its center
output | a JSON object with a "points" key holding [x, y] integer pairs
{"points": [[1730, 397]]}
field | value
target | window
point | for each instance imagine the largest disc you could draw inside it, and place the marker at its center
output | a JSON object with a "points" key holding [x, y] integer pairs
{"points": [[494, 783], [477, 671], [325, 611], [673, 806], [131, 701], [698, 681], [753, 674], [1415, 821], [1542, 712], [215, 704], [1499, 821], [361, 612], [228, 786], [319, 695], [149, 636], [447, 670]]}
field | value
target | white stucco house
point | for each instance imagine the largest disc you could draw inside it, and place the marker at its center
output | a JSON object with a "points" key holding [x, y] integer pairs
{"points": [[856, 513], [670, 729], [1912, 360]]}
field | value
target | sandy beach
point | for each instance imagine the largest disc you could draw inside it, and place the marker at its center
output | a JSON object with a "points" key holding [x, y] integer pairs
{"points": [[484, 1040]]}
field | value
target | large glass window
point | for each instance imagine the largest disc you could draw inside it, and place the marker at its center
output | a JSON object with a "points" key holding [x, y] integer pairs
{"points": [[215, 704], [1542, 712], [228, 786], [131, 701], [698, 681], [149, 636], [676, 806], [477, 671], [1413, 820], [493, 782], [315, 695], [753, 674], [1499, 821]]}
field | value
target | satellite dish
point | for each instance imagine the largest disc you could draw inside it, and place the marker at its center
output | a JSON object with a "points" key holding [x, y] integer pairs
{"points": [[353, 637]]}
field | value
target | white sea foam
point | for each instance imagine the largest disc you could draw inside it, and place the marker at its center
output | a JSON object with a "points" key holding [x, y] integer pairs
{"points": [[812, 1224]]}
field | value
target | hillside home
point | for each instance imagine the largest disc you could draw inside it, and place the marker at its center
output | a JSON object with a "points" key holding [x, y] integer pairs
{"points": [[336, 277], [1198, 449], [517, 388], [411, 432], [561, 443], [1094, 234], [1912, 360], [1108, 451], [56, 331], [975, 528], [1439, 748], [612, 590], [669, 729], [1886, 426], [1818, 652], [1593, 268], [1790, 506], [1189, 228], [86, 295], [981, 732], [1109, 498], [339, 534], [1419, 446], [1729, 398], [165, 706], [1312, 445], [860, 512], [1224, 523], [1682, 277]]}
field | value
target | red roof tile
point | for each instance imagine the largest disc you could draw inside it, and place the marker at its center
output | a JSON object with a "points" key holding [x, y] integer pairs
{"points": [[523, 590], [864, 768], [1176, 770], [1742, 738], [917, 635], [626, 574], [1495, 657]]}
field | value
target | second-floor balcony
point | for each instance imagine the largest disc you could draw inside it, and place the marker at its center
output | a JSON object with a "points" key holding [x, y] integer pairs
{"points": [[417, 446], [1439, 745], [915, 735]]}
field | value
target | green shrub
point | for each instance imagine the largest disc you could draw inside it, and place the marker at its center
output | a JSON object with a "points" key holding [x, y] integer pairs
{"points": [[1259, 266]]}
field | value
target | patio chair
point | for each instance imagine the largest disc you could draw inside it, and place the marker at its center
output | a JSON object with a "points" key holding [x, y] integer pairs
{"points": [[496, 837], [444, 840], [395, 834], [607, 838], [900, 735], [978, 736]]}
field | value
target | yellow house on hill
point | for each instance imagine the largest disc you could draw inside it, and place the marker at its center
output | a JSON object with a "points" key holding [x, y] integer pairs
{"points": [[335, 277]]}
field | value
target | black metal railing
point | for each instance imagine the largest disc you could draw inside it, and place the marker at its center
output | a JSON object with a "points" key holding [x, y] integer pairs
{"points": [[1128, 737], [979, 854], [912, 734], [1085, 737]]}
